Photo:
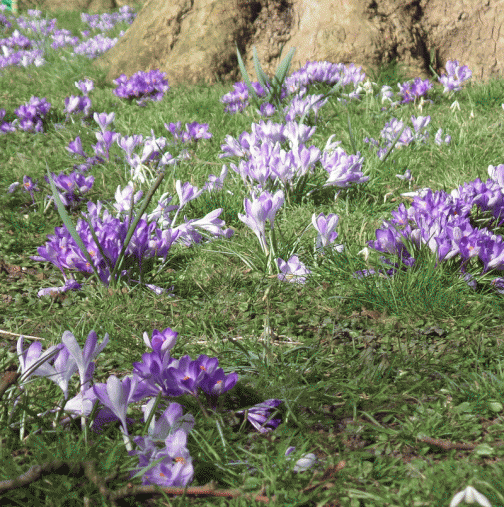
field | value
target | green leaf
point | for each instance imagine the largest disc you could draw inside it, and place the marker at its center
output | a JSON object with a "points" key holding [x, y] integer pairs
{"points": [[495, 406], [252, 93], [483, 450], [275, 88], [261, 76]]}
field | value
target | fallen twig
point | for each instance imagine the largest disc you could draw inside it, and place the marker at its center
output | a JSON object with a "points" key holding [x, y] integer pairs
{"points": [[87, 468], [447, 445], [18, 335]]}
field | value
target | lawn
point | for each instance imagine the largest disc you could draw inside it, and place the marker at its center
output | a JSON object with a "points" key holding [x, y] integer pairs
{"points": [[332, 336]]}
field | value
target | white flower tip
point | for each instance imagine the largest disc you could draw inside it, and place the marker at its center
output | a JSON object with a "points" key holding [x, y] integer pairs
{"points": [[147, 340], [470, 495]]}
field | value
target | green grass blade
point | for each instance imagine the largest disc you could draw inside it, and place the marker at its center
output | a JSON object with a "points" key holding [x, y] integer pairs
{"points": [[69, 225]]}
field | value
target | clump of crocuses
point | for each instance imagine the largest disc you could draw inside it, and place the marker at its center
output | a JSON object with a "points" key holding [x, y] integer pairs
{"points": [[447, 225], [159, 376]]}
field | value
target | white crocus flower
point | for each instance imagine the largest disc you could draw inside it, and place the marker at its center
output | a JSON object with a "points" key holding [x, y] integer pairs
{"points": [[470, 495], [365, 253], [306, 462], [421, 104], [422, 193]]}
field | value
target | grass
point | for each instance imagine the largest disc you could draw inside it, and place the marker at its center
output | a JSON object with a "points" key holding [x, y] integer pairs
{"points": [[396, 383]]}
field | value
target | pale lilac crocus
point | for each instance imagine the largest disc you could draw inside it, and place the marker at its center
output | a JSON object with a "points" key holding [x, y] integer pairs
{"points": [[84, 357], [304, 463], [161, 213], [258, 211], [212, 224], [277, 199], [343, 169], [85, 86], [12, 187], [82, 405], [496, 173], [117, 395], [62, 370], [123, 197], [70, 284], [128, 143], [216, 182], [104, 120], [187, 192], [168, 423], [325, 227], [293, 270], [406, 176], [31, 359]]}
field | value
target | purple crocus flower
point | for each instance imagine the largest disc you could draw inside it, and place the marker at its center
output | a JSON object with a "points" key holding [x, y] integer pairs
{"points": [[492, 253], [161, 341], [217, 383], [175, 469], [75, 146], [198, 130], [75, 104], [189, 374], [154, 375], [259, 415], [28, 185], [105, 141], [455, 77]]}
